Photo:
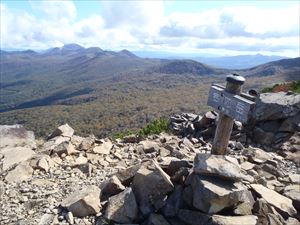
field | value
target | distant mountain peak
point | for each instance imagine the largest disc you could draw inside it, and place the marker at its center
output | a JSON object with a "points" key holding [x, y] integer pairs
{"points": [[72, 46], [127, 53]]}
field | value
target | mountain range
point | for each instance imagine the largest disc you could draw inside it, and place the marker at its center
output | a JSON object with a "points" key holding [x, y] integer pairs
{"points": [[105, 91], [226, 62]]}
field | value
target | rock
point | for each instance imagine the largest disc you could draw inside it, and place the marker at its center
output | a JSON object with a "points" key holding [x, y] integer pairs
{"points": [[81, 160], [46, 219], [112, 186], [126, 175], [257, 155], [156, 219], [70, 218], [262, 137], [22, 172], [43, 164], [64, 148], [281, 203], [291, 221], [247, 165], [15, 155], [190, 217], [122, 208], [85, 168], [274, 106], [293, 192], [219, 165], [295, 178], [243, 209], [290, 124], [208, 119], [16, 135], [83, 202], [150, 146], [174, 201], [104, 148], [211, 195], [175, 164], [261, 207], [295, 140], [230, 220], [63, 130], [76, 140], [87, 143], [150, 186]]}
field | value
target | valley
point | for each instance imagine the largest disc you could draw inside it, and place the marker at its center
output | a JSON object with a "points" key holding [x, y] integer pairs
{"points": [[105, 92]]}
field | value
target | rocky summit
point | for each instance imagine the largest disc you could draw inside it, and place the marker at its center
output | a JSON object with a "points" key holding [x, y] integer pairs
{"points": [[166, 179]]}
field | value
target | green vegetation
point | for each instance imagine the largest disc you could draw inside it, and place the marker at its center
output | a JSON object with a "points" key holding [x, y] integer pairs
{"points": [[290, 86], [154, 127]]}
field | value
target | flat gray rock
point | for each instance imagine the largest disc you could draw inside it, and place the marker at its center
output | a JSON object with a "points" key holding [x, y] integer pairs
{"points": [[15, 155], [212, 195], [63, 130], [274, 106], [22, 172], [231, 220], [122, 208], [16, 135], [150, 186], [83, 202], [275, 199], [221, 166]]}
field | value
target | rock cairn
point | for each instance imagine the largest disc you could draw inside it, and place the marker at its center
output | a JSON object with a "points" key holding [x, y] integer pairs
{"points": [[165, 179]]}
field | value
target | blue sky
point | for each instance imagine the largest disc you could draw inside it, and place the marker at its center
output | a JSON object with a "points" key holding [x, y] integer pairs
{"points": [[212, 27]]}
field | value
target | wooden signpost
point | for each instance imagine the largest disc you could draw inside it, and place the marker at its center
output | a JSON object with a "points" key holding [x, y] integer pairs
{"points": [[232, 104]]}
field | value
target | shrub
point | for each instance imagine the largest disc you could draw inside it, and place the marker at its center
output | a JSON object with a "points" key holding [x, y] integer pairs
{"points": [[155, 127]]}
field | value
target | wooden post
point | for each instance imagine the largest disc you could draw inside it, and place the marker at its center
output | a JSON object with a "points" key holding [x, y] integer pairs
{"points": [[225, 123]]}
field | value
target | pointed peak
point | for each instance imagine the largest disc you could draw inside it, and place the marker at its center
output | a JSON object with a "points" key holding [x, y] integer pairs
{"points": [[72, 46], [127, 53]]}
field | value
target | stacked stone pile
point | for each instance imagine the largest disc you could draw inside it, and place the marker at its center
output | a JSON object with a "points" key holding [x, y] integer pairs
{"points": [[275, 125]]}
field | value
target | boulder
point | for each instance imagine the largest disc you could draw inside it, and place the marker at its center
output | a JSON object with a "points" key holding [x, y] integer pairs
{"points": [[156, 219], [262, 137], [16, 135], [63, 130], [293, 192], [83, 202], [218, 165], [211, 195], [207, 120], [126, 175], [15, 155], [174, 202], [112, 186], [22, 172], [190, 217], [87, 143], [122, 208], [283, 204], [150, 146], [295, 178], [103, 148], [274, 106], [64, 148], [257, 155], [43, 164], [231, 220], [150, 186]]}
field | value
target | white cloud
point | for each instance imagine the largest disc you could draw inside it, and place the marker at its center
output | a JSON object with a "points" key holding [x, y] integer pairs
{"points": [[62, 11], [143, 25]]}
